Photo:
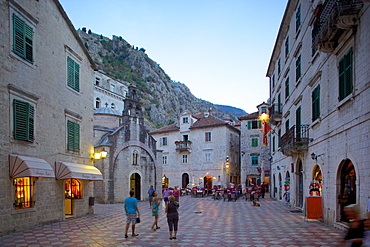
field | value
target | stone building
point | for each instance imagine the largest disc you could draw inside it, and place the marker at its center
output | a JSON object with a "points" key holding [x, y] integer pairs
{"points": [[131, 161], [255, 154], [109, 92], [319, 90], [45, 128], [199, 150]]}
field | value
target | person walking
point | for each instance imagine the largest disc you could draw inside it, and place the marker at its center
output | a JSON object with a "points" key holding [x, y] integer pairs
{"points": [[176, 193], [151, 190], [155, 211], [132, 212], [172, 216], [166, 193], [355, 233], [263, 190]]}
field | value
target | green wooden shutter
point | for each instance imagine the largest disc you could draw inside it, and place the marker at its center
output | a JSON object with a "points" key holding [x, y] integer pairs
{"points": [[254, 142], [73, 138], [259, 124], [73, 74], [249, 125], [345, 75], [22, 39], [316, 103], [23, 122]]}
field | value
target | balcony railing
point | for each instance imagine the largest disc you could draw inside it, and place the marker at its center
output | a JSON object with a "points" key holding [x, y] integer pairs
{"points": [[295, 140], [275, 111], [183, 145], [333, 17]]}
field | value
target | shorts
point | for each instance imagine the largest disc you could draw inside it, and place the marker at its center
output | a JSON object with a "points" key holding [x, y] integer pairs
{"points": [[165, 199], [131, 218]]}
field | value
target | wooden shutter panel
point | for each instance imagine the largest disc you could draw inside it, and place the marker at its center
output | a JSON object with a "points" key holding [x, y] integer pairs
{"points": [[73, 139], [249, 125], [18, 35], [28, 43], [23, 128], [259, 124], [76, 76]]}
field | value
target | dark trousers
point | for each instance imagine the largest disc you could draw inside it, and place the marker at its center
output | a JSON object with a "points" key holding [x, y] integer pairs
{"points": [[173, 222]]}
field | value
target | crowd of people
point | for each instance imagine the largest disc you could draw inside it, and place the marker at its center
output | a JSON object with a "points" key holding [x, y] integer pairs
{"points": [[357, 235], [171, 200]]}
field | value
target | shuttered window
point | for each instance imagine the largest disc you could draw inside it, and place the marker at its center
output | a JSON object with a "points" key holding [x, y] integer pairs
{"points": [[255, 124], [73, 74], [23, 120], [254, 160], [316, 103], [298, 71], [298, 18], [254, 142], [22, 39], [73, 138], [287, 88], [345, 75]]}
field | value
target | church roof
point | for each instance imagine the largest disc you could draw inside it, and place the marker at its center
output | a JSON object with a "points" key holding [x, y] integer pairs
{"points": [[107, 111]]}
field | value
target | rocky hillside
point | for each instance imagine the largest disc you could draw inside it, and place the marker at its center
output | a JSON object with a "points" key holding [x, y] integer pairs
{"points": [[163, 99]]}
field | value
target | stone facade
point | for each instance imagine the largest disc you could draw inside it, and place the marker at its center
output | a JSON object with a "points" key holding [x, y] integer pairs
{"points": [[255, 154], [319, 83], [34, 74], [132, 156], [199, 150]]}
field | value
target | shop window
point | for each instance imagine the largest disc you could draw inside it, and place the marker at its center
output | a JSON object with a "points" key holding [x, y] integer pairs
{"points": [[23, 118], [24, 192], [73, 189], [22, 39]]}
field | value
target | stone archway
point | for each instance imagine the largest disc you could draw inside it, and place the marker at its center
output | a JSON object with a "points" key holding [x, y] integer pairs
{"points": [[185, 180], [347, 190]]}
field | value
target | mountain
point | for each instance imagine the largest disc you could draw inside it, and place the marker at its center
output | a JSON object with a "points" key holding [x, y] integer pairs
{"points": [[163, 99], [232, 110]]}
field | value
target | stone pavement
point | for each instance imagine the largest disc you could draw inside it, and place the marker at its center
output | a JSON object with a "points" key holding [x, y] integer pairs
{"points": [[203, 222]]}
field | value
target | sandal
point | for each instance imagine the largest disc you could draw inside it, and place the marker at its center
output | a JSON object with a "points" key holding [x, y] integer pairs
{"points": [[174, 238], [126, 236], [158, 227], [134, 235]]}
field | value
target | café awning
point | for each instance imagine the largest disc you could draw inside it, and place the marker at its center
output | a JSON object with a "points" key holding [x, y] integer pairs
{"points": [[24, 166], [65, 170]]}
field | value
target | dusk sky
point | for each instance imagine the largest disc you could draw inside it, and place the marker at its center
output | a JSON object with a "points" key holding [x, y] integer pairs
{"points": [[219, 49]]}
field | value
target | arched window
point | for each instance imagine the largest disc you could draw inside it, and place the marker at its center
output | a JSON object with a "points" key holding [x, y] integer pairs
{"points": [[112, 105], [97, 103], [135, 155]]}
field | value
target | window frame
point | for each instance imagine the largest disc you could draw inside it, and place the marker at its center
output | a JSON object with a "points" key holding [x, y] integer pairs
{"points": [[298, 18], [298, 68], [254, 142], [185, 159], [345, 75], [73, 73], [287, 91], [31, 190], [254, 124], [22, 44], [23, 121], [164, 141], [73, 136], [164, 159], [316, 103], [185, 120], [254, 160], [208, 136]]}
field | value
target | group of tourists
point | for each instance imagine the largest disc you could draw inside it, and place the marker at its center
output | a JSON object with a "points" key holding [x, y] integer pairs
{"points": [[171, 199]]}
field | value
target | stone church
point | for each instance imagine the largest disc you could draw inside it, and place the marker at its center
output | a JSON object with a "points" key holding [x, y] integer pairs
{"points": [[129, 155]]}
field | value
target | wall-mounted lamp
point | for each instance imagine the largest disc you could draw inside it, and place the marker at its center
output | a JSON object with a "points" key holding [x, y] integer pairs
{"points": [[100, 155], [314, 156]]}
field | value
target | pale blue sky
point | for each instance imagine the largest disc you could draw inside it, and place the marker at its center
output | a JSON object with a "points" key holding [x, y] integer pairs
{"points": [[219, 49]]}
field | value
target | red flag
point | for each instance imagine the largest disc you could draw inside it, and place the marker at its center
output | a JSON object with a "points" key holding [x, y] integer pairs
{"points": [[266, 130]]}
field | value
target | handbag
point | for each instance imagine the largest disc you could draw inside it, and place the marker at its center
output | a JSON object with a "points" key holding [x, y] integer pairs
{"points": [[138, 220], [154, 210]]}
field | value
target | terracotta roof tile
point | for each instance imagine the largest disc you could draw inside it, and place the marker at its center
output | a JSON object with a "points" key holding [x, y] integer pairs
{"points": [[253, 115], [169, 128]]}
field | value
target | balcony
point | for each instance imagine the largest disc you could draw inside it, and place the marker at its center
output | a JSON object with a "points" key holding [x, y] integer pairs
{"points": [[275, 111], [295, 140], [183, 145], [332, 18]]}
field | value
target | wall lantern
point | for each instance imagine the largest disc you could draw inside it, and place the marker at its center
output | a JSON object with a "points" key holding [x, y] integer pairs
{"points": [[100, 155], [314, 156]]}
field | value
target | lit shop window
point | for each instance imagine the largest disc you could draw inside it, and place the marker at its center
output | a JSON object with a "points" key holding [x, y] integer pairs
{"points": [[24, 193], [73, 189]]}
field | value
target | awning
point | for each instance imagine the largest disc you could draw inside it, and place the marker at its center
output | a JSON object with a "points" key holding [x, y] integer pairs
{"points": [[65, 170], [24, 166]]}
